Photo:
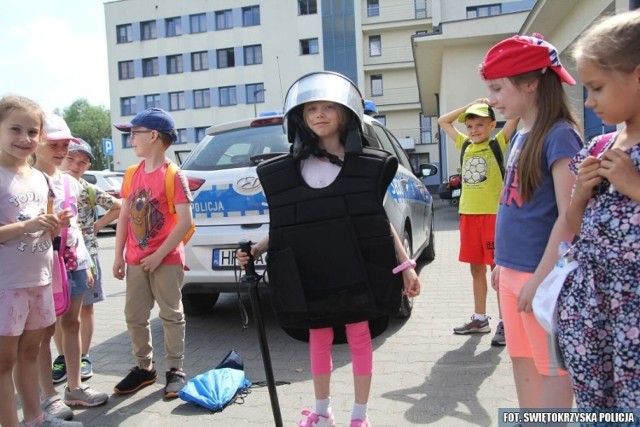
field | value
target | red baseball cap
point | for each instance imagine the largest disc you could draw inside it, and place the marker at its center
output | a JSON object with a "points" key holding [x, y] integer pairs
{"points": [[522, 54]]}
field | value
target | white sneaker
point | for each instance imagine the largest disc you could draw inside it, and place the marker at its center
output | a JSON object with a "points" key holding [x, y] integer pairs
{"points": [[55, 407], [51, 421]]}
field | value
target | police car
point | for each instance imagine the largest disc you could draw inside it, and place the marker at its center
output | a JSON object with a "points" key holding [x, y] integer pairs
{"points": [[229, 204]]}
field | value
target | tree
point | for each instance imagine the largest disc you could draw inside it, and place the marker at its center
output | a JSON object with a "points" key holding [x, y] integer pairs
{"points": [[91, 123]]}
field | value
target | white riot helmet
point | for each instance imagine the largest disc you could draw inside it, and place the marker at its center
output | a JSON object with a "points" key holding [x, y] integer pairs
{"points": [[322, 86]]}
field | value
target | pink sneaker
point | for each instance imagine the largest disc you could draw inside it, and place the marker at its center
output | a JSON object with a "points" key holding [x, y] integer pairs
{"points": [[360, 423], [316, 420]]}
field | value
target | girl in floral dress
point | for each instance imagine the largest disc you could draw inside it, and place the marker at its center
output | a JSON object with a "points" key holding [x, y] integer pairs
{"points": [[598, 308]]}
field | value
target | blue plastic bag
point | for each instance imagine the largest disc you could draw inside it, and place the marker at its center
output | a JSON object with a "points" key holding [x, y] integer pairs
{"points": [[219, 387]]}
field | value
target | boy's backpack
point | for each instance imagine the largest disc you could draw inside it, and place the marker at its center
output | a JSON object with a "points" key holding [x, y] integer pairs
{"points": [[495, 148], [92, 196], [169, 180]]}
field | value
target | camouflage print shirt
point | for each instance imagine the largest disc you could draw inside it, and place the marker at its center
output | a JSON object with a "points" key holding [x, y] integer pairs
{"points": [[87, 213]]}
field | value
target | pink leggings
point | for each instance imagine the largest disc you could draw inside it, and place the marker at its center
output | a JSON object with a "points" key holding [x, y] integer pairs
{"points": [[360, 345]]}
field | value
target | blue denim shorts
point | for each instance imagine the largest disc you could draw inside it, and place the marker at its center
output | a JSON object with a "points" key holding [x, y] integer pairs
{"points": [[77, 283]]}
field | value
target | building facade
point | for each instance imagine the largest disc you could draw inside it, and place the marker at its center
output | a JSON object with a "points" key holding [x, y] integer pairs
{"points": [[212, 61], [448, 57]]}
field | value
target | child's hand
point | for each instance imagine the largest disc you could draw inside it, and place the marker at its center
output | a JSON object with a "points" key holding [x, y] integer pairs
{"points": [[482, 101], [525, 299], [587, 179], [411, 282], [119, 268], [90, 278], [64, 217], [495, 278], [618, 168], [47, 223], [151, 262], [243, 258]]}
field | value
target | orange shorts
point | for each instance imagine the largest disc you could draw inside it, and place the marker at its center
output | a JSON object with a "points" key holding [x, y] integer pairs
{"points": [[524, 335], [477, 236]]}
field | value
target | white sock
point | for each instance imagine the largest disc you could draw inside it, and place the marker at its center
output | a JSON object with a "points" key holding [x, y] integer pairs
{"points": [[480, 317], [323, 406], [359, 411]]}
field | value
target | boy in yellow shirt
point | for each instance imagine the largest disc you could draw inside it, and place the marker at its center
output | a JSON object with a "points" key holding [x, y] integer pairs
{"points": [[482, 179]]}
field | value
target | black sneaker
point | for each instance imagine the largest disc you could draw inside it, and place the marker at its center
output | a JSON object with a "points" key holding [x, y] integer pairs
{"points": [[136, 379], [175, 382], [59, 370]]}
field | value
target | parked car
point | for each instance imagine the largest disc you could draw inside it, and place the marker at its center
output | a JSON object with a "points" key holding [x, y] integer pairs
{"points": [[229, 204], [109, 182]]}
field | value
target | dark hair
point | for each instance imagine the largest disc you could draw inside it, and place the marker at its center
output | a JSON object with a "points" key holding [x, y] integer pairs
{"points": [[552, 106]]}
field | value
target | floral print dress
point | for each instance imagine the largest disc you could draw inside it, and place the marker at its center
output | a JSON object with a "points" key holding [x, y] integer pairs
{"points": [[599, 305]]}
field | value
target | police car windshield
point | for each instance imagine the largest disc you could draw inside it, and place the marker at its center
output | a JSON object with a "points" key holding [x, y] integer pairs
{"points": [[237, 148]]}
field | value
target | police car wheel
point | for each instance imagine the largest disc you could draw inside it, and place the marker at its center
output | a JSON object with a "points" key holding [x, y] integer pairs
{"points": [[199, 304]]}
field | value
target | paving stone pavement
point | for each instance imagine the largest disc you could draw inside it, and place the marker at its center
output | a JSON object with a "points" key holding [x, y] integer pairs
{"points": [[423, 373]]}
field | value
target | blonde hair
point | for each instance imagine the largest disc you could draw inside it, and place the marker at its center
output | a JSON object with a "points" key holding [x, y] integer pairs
{"points": [[612, 43], [552, 107], [11, 103]]}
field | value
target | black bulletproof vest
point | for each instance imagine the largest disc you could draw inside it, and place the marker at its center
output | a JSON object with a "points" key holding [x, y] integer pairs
{"points": [[331, 251]]}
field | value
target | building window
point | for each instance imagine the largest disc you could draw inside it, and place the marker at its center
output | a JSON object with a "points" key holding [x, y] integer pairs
{"points": [[125, 70], [226, 58], [148, 30], [426, 135], [227, 96], [486, 10], [173, 26], [253, 55], [250, 16], [255, 93], [307, 7], [152, 101], [421, 9], [309, 47], [375, 45], [201, 132], [376, 85], [198, 23], [128, 106], [150, 67], [182, 136], [176, 101], [201, 98], [373, 8], [124, 33], [199, 61], [174, 64], [382, 118], [224, 20]]}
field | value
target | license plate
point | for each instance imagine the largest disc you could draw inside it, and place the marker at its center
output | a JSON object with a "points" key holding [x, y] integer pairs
{"points": [[226, 258], [456, 192]]}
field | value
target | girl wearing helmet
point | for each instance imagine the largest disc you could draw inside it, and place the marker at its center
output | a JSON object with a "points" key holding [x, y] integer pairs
{"points": [[324, 274]]}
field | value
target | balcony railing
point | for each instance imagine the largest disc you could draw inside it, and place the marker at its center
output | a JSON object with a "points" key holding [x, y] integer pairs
{"points": [[396, 96], [390, 54], [399, 11]]}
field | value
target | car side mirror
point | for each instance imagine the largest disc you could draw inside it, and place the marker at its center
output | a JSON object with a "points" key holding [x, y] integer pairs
{"points": [[428, 169]]}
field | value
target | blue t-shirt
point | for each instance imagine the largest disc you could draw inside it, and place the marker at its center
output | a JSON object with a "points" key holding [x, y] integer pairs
{"points": [[523, 229]]}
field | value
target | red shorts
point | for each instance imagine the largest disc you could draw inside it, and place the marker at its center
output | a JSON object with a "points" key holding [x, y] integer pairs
{"points": [[477, 237]]}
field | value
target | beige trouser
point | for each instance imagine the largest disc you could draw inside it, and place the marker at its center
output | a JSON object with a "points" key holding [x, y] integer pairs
{"points": [[143, 289]]}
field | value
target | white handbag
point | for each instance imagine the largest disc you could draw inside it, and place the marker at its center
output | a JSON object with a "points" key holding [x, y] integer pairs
{"points": [[546, 298]]}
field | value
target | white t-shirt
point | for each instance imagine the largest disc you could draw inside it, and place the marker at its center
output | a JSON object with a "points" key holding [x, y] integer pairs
{"points": [[25, 260], [318, 173]]}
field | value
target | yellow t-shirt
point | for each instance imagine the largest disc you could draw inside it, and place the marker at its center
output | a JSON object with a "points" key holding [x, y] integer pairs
{"points": [[481, 178]]}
